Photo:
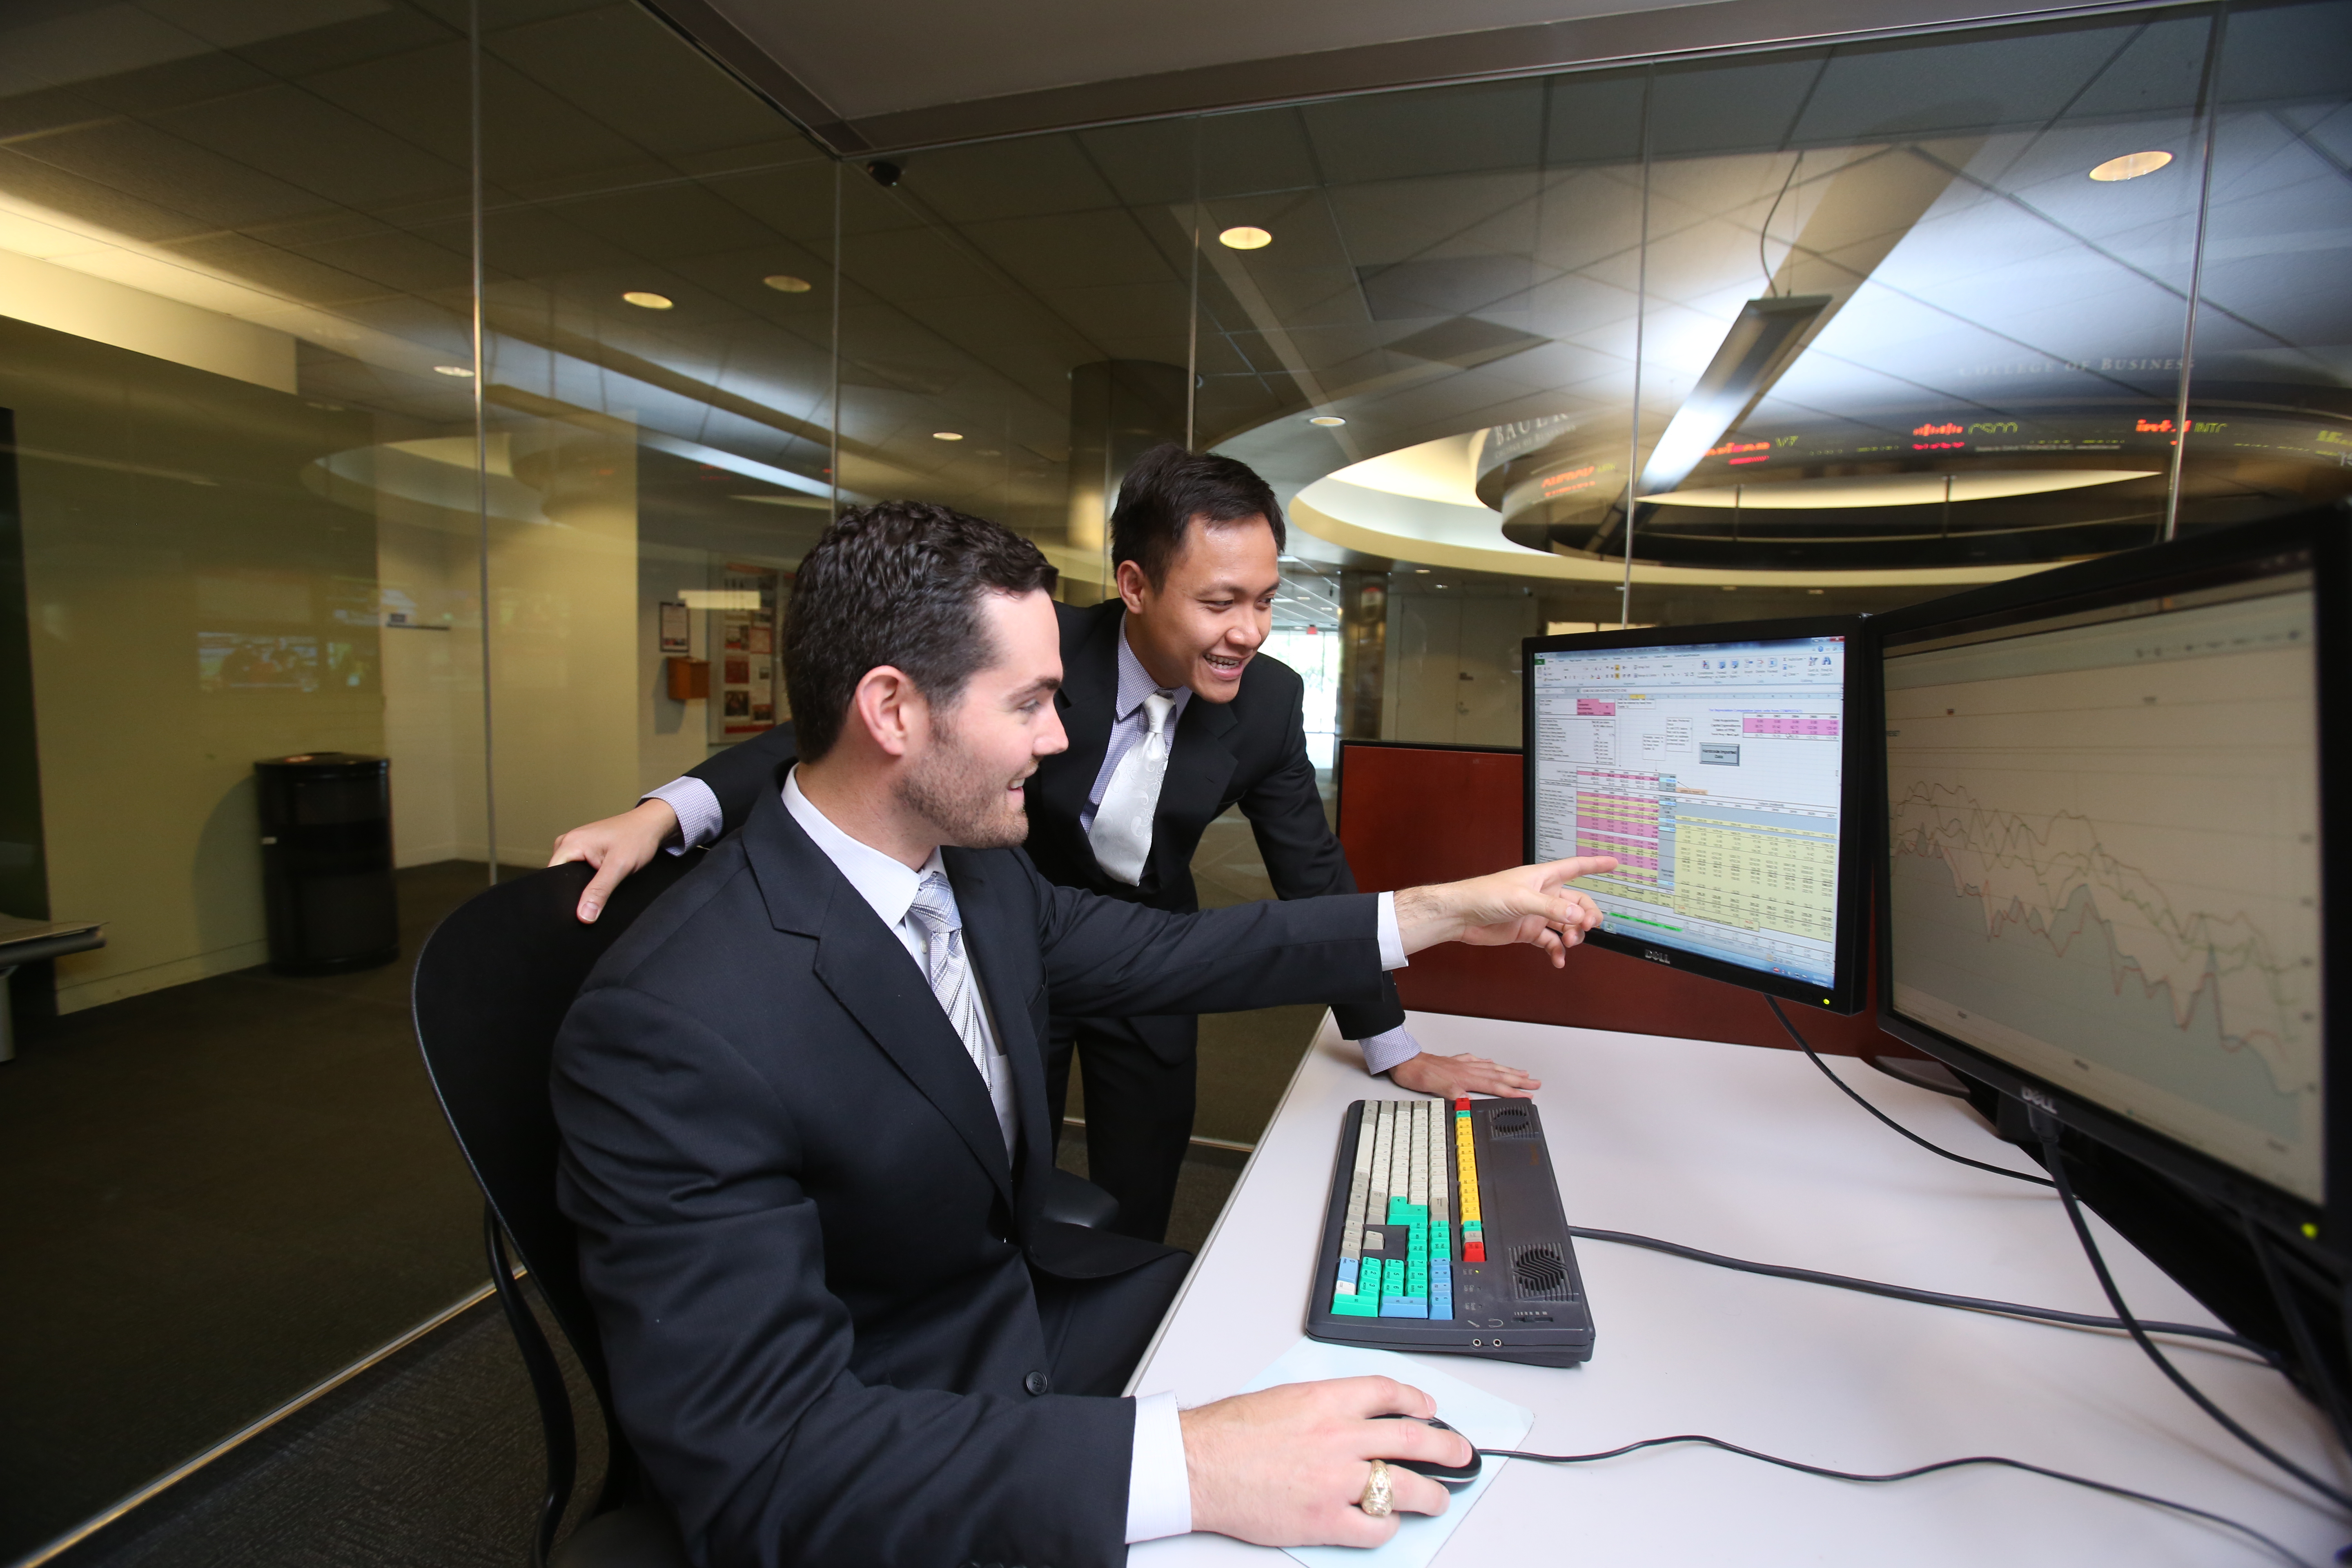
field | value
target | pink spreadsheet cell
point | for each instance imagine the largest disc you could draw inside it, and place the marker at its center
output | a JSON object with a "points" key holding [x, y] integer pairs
{"points": [[1594, 708], [1789, 724]]}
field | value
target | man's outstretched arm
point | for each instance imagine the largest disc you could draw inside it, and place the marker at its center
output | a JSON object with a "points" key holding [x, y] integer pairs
{"points": [[1106, 958]]}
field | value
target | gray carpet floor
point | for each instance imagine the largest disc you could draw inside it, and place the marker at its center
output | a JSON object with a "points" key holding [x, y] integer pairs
{"points": [[432, 1459], [218, 1195]]}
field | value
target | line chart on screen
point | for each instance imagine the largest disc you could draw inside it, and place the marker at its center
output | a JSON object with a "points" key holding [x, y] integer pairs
{"points": [[2109, 830]]}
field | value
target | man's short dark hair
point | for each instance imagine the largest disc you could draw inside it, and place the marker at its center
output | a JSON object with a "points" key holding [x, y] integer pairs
{"points": [[898, 583], [1167, 488]]}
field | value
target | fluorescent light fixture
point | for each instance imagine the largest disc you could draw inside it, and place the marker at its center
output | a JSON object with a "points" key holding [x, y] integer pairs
{"points": [[813, 503], [785, 283], [451, 369], [2131, 167], [1755, 352], [946, 435], [646, 301], [720, 598], [1244, 236], [1896, 490], [1328, 421]]}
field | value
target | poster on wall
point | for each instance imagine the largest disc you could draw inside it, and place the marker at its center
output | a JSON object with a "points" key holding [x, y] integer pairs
{"points": [[677, 628], [744, 630]]}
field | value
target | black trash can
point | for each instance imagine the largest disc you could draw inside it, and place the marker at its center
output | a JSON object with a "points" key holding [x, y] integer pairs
{"points": [[326, 861]]}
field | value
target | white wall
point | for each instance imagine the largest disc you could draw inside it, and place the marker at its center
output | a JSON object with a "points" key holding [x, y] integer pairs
{"points": [[163, 514], [1452, 664], [564, 656]]}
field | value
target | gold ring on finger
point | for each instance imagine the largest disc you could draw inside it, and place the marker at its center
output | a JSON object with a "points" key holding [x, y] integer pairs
{"points": [[1378, 1501]]}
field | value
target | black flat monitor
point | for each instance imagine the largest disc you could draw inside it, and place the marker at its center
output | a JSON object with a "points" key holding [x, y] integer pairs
{"points": [[1717, 764], [2106, 870]]}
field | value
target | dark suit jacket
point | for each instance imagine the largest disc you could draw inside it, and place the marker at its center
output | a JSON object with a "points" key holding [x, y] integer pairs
{"points": [[809, 1257], [1251, 751]]}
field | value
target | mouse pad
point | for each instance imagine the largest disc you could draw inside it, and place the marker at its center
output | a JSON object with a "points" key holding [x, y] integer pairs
{"points": [[1488, 1422]]}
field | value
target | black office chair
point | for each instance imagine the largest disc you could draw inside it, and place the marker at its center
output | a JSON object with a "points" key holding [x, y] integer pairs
{"points": [[492, 985]]}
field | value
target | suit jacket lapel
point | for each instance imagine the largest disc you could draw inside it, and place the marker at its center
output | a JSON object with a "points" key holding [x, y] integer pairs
{"points": [[1089, 693], [860, 960], [1200, 763]]}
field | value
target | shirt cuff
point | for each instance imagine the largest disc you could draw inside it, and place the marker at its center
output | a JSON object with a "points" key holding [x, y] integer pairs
{"points": [[698, 817], [1159, 1486], [1390, 1047], [1392, 940]]}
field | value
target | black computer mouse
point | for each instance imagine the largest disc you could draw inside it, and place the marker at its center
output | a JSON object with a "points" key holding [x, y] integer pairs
{"points": [[1449, 1475]]}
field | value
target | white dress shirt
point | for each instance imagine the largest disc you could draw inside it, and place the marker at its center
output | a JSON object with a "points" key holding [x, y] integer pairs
{"points": [[1159, 1482]]}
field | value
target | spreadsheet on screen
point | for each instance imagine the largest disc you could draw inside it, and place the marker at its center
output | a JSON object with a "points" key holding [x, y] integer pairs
{"points": [[1713, 773]]}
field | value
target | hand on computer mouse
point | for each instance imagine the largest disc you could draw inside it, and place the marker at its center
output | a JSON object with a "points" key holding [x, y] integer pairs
{"points": [[1449, 1475]]}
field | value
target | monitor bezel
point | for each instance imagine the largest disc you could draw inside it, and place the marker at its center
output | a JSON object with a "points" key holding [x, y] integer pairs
{"points": [[1848, 990], [2113, 579]]}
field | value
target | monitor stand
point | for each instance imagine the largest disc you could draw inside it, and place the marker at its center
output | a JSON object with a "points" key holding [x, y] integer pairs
{"points": [[1921, 1073]]}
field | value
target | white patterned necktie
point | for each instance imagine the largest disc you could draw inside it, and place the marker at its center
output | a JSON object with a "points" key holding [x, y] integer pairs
{"points": [[934, 909], [1122, 835]]}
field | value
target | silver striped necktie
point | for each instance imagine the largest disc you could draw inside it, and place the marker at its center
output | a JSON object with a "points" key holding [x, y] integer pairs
{"points": [[1122, 835], [950, 974]]}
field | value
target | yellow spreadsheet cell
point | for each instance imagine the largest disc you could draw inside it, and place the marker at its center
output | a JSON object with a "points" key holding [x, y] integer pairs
{"points": [[1757, 880]]}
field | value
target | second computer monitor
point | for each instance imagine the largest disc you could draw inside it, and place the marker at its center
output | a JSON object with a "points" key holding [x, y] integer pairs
{"points": [[1717, 764]]}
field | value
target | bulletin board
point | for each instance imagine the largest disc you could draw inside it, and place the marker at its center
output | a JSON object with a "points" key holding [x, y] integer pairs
{"points": [[747, 684]]}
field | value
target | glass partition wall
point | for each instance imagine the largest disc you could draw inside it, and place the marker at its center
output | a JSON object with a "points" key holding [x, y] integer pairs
{"points": [[353, 349]]}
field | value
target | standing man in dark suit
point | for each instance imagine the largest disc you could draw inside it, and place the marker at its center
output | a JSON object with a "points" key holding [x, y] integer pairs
{"points": [[802, 1108], [1173, 716]]}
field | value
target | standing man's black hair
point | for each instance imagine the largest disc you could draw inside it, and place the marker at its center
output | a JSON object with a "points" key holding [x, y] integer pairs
{"points": [[898, 583], [1168, 488]]}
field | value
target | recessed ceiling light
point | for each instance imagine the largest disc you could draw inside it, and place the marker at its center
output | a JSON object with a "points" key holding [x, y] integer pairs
{"points": [[1326, 420], [946, 435], [452, 370], [785, 283], [1420, 571], [644, 301], [2131, 165], [1243, 237]]}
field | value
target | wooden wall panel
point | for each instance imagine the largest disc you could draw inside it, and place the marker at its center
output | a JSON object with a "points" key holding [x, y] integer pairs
{"points": [[1412, 815]]}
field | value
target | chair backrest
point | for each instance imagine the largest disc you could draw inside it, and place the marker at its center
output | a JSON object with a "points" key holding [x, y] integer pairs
{"points": [[492, 985]]}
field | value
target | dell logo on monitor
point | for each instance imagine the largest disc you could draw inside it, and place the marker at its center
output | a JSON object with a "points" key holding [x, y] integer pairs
{"points": [[1654, 956]]}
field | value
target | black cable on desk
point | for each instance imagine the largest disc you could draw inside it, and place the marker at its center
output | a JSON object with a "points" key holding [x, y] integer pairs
{"points": [[2248, 1531], [2045, 1127], [1928, 1298], [1849, 1091]]}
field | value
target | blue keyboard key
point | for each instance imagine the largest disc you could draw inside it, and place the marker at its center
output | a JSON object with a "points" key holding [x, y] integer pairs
{"points": [[1441, 1305], [1403, 1307], [1347, 1270]]}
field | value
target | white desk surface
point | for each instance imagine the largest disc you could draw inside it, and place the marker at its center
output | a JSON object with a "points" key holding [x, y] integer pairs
{"points": [[1750, 1152]]}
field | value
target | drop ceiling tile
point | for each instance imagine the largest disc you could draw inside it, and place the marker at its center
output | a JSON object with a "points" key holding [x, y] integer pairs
{"points": [[1434, 131], [624, 68], [998, 181]]}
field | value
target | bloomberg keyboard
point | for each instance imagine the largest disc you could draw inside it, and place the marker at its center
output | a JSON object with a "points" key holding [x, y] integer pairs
{"points": [[1444, 1233]]}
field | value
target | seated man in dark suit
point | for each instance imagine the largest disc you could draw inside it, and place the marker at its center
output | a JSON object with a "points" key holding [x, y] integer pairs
{"points": [[804, 1138]]}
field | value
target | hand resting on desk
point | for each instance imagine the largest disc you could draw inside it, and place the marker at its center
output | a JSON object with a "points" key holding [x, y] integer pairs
{"points": [[1451, 1077]]}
